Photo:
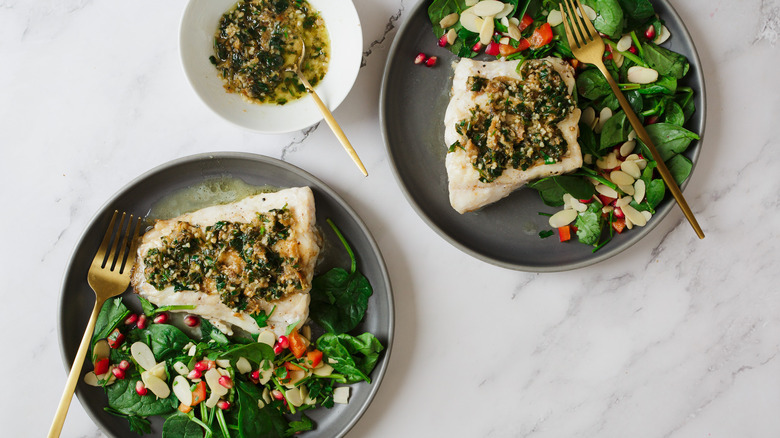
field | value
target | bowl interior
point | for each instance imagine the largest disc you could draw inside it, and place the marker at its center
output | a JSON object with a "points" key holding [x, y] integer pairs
{"points": [[196, 38]]}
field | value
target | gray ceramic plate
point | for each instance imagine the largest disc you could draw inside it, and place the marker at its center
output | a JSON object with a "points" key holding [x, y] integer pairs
{"points": [[140, 195], [412, 104]]}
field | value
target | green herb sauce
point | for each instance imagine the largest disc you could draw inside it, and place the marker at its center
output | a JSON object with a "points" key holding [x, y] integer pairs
{"points": [[518, 127]]}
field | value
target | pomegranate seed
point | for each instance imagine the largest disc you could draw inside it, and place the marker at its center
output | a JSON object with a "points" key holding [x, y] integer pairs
{"points": [[586, 201], [431, 61], [255, 375], [140, 388], [420, 58], [223, 404], [143, 322], [192, 320], [124, 365], [618, 212], [132, 319], [443, 41], [476, 47], [194, 374], [650, 32], [492, 49], [651, 120], [226, 381], [119, 373], [284, 341], [278, 348], [201, 366], [277, 394], [162, 318], [633, 50]]}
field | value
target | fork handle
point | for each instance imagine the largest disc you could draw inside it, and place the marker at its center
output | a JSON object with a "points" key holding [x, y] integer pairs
{"points": [[660, 165], [75, 373]]}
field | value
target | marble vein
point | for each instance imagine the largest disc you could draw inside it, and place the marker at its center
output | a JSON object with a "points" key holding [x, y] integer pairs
{"points": [[389, 27]]}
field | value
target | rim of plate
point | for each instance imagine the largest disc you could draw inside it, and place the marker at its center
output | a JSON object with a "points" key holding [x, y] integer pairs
{"points": [[662, 211], [378, 373], [196, 33]]}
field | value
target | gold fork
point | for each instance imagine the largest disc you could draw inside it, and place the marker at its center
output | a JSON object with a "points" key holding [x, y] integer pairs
{"points": [[108, 276], [334, 125], [588, 47]]}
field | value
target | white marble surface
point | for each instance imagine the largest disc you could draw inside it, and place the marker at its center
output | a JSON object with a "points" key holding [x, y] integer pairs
{"points": [[675, 337]]}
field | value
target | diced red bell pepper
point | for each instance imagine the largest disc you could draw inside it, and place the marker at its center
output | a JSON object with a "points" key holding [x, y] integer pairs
{"points": [[297, 344], [508, 49], [199, 393], [605, 200], [525, 22], [101, 366], [619, 224], [542, 36], [564, 233], [115, 338], [184, 408], [314, 358]]}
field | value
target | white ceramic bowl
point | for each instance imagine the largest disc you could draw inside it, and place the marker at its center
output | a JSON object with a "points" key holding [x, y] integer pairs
{"points": [[196, 39]]}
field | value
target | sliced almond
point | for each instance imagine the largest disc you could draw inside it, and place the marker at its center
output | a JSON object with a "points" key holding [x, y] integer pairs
{"points": [[212, 400], [631, 168], [224, 363], [143, 355], [608, 161], [212, 380], [160, 371], [449, 20], [632, 157], [470, 3], [562, 218], [91, 379], [180, 368], [641, 162], [554, 18], [607, 191], [628, 190], [639, 191], [622, 202], [514, 31], [604, 115], [642, 75], [156, 385], [663, 35], [624, 43], [607, 208], [632, 135], [627, 147], [294, 397], [267, 337], [635, 216], [587, 159], [647, 215], [265, 373], [588, 116], [488, 8], [323, 371], [486, 31], [515, 21], [504, 40], [243, 366], [589, 12], [295, 377], [452, 35], [504, 12], [266, 395], [341, 395], [471, 22], [618, 58], [181, 389], [621, 178]]}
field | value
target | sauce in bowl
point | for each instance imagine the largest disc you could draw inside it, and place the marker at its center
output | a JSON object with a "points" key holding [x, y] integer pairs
{"points": [[257, 41]]}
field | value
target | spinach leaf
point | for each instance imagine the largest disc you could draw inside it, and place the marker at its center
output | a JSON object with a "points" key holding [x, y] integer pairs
{"points": [[146, 306], [339, 299], [589, 224], [587, 141], [664, 85], [615, 131], [552, 189], [685, 99], [167, 341], [254, 422], [635, 99], [180, 425], [670, 139], [674, 114], [210, 333], [137, 424], [637, 11], [655, 189], [301, 425], [609, 20], [123, 398], [112, 313], [680, 167], [664, 61], [592, 85], [345, 348]]}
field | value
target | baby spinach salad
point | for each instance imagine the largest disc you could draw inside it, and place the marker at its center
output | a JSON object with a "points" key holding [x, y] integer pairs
{"points": [[617, 187], [207, 384]]}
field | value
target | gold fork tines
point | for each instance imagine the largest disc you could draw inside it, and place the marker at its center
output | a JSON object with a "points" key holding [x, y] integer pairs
{"points": [[108, 276], [587, 46]]}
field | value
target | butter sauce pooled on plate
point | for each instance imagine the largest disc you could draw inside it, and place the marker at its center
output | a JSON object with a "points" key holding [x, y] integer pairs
{"points": [[256, 43]]}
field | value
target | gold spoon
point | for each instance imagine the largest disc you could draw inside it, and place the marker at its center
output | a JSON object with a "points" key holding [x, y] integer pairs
{"points": [[326, 112]]}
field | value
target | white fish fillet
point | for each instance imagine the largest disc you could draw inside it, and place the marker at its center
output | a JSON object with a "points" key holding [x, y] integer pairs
{"points": [[467, 192], [291, 309]]}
